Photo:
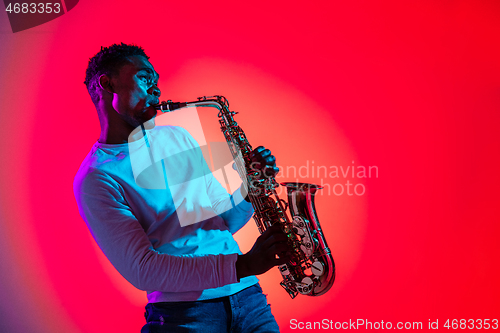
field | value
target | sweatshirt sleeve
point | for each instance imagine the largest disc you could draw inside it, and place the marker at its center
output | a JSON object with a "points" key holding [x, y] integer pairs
{"points": [[234, 209], [122, 239]]}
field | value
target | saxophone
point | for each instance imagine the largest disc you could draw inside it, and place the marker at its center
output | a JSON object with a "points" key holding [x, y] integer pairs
{"points": [[311, 272]]}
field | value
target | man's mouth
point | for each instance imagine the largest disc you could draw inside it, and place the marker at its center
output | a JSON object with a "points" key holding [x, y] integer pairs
{"points": [[153, 102]]}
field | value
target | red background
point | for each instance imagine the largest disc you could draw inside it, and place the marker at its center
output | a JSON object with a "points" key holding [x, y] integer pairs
{"points": [[410, 87]]}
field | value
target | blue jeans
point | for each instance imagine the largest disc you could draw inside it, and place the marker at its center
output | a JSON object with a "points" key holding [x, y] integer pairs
{"points": [[246, 311]]}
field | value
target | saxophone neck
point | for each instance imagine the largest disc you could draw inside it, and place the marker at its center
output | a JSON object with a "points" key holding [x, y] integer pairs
{"points": [[218, 102], [169, 106]]}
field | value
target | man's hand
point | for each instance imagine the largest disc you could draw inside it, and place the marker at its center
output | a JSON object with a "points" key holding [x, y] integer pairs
{"points": [[263, 162], [270, 249]]}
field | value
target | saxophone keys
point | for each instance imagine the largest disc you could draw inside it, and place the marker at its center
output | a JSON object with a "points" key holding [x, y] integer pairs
{"points": [[317, 268], [305, 250], [284, 270], [306, 286]]}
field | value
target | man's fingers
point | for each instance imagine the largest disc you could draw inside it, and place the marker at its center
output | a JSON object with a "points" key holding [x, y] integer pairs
{"points": [[274, 237], [256, 151], [265, 153], [270, 171], [263, 161], [280, 260], [283, 257], [269, 159], [270, 249], [259, 154], [275, 229], [279, 249]]}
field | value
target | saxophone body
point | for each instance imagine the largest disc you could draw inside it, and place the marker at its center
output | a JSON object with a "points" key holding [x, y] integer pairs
{"points": [[311, 272]]}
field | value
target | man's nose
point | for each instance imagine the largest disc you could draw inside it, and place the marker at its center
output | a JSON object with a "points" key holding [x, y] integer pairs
{"points": [[155, 90]]}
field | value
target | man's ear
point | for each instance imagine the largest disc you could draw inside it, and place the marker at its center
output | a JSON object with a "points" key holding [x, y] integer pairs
{"points": [[105, 83]]}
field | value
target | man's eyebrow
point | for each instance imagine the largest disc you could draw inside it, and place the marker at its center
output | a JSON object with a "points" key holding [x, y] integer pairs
{"points": [[147, 69], [150, 71]]}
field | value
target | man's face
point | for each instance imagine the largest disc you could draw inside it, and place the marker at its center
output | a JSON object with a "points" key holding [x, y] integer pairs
{"points": [[135, 90]]}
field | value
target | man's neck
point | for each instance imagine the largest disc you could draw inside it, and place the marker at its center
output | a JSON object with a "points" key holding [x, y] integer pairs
{"points": [[115, 129], [113, 136], [124, 134]]}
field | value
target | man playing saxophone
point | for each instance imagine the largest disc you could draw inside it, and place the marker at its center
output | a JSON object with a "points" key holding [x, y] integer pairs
{"points": [[195, 276]]}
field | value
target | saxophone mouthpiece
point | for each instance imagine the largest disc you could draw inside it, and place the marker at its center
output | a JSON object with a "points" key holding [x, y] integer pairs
{"points": [[169, 106]]}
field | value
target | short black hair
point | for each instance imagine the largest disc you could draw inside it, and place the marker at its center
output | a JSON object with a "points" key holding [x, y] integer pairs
{"points": [[108, 61]]}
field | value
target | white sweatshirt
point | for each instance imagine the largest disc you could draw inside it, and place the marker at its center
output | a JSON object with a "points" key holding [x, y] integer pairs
{"points": [[166, 225]]}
